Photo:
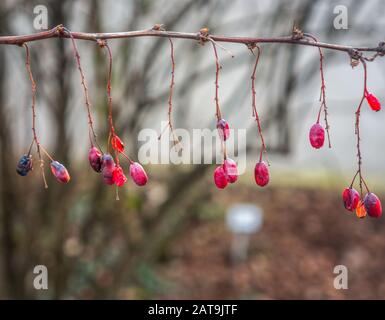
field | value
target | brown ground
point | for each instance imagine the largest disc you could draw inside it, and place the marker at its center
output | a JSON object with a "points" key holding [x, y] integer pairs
{"points": [[306, 233]]}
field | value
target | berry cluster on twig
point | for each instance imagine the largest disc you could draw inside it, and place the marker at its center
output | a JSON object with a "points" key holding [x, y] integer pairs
{"points": [[227, 172]]}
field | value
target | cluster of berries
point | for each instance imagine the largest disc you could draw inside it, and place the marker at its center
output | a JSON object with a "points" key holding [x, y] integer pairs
{"points": [[102, 163], [25, 165], [228, 172], [370, 204], [224, 174], [111, 171], [317, 132]]}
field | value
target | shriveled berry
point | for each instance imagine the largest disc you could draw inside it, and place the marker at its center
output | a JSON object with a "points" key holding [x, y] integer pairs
{"points": [[261, 174], [350, 197], [360, 211], [231, 170], [372, 205], [118, 176], [317, 136], [373, 101], [95, 159], [138, 174], [223, 129], [24, 165], [108, 167], [60, 172], [220, 178], [117, 144]]}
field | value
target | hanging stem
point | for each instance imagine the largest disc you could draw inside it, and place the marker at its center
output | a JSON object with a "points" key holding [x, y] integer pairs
{"points": [[110, 120], [30, 147], [104, 44], [127, 157], [85, 88], [46, 153], [172, 83], [254, 105], [354, 178], [322, 99], [33, 90], [217, 68], [357, 128], [224, 150]]}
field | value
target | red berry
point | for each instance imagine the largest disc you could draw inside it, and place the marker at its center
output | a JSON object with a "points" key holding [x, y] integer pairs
{"points": [[220, 178], [350, 197], [60, 172], [118, 176], [261, 174], [95, 159], [223, 129], [117, 144], [317, 136], [360, 211], [231, 170], [372, 205], [373, 101], [138, 174], [108, 167]]}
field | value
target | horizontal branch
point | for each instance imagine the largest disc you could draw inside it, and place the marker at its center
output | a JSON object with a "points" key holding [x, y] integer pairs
{"points": [[59, 32]]}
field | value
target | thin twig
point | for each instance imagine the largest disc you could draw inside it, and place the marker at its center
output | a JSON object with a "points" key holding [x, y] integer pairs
{"points": [[323, 105], [127, 157], [209, 38], [254, 105], [33, 90], [172, 83], [171, 87], [46, 153], [84, 85], [104, 44], [109, 77], [357, 128], [55, 32], [217, 68]]}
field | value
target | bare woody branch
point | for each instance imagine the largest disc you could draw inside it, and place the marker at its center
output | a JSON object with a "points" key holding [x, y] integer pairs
{"points": [[58, 32]]}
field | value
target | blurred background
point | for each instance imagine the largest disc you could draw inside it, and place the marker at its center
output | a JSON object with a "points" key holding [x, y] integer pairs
{"points": [[170, 239]]}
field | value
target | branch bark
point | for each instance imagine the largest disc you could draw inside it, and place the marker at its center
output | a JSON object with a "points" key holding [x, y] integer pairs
{"points": [[59, 32]]}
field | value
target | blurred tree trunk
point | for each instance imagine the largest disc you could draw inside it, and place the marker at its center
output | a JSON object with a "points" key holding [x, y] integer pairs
{"points": [[11, 281]]}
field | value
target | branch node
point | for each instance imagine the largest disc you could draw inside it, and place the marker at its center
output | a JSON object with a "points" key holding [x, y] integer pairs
{"points": [[381, 48], [60, 30], [355, 57], [158, 27], [251, 46], [101, 42], [203, 35], [296, 33]]}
